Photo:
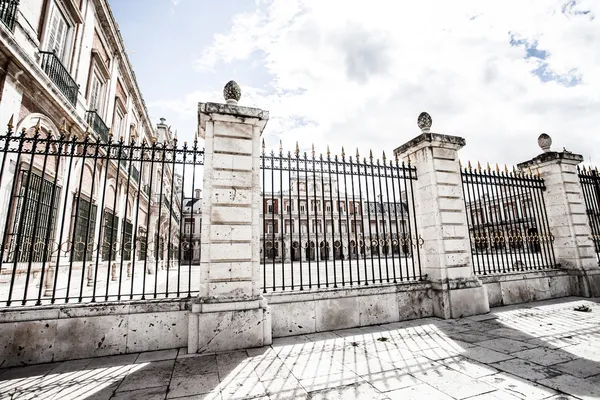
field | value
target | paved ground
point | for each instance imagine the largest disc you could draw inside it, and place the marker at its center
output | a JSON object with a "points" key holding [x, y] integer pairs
{"points": [[542, 350]]}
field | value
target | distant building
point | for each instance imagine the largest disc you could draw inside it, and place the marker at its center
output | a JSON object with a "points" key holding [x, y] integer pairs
{"points": [[192, 226]]}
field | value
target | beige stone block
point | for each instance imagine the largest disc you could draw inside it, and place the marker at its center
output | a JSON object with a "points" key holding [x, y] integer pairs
{"points": [[446, 165], [454, 245], [451, 204], [96, 336], [232, 146], [339, 313], [231, 196], [29, 342], [290, 319], [224, 214], [454, 218], [239, 179], [232, 162], [233, 270], [466, 302], [230, 330], [459, 272], [494, 293], [231, 232], [449, 178], [379, 309], [157, 331], [230, 290], [441, 153], [230, 251], [450, 191], [414, 304], [233, 129]]}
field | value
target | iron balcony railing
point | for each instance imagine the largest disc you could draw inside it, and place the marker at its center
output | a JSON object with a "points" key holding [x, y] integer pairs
{"points": [[57, 72], [8, 12], [98, 125], [135, 174]]}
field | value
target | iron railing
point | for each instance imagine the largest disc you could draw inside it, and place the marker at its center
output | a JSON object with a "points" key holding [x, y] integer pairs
{"points": [[590, 183], [8, 12], [507, 219], [97, 124], [58, 74], [72, 247], [336, 222]]}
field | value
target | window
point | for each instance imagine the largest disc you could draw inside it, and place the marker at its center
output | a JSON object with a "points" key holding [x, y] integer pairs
{"points": [[85, 221], [111, 223], [270, 207], [57, 34], [189, 226], [289, 227], [128, 233], [95, 96], [328, 207], [302, 208], [118, 124]]}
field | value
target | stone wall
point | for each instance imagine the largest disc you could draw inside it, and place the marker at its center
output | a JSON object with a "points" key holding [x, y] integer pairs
{"points": [[45, 334], [330, 309]]}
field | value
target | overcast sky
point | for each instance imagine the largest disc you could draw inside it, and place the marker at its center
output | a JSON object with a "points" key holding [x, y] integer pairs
{"points": [[357, 73]]}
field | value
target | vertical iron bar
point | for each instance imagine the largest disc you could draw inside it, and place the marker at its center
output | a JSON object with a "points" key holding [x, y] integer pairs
{"points": [[308, 221], [299, 249], [389, 211], [137, 214], [171, 211], [152, 156], [114, 215], [194, 221], [290, 217], [347, 207], [332, 213], [325, 241], [182, 219], [362, 219], [383, 208], [523, 197], [497, 220], [273, 225], [392, 168], [478, 180], [129, 158], [264, 222], [316, 225], [282, 233], [369, 220], [376, 218], [337, 181], [158, 240]]}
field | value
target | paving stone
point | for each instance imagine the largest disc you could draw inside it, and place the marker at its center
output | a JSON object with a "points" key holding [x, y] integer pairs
{"points": [[160, 355], [390, 380], [468, 367], [153, 374], [577, 387], [496, 395], [317, 383], [510, 333], [285, 389], [192, 385], [417, 392], [544, 356], [470, 337], [518, 387], [506, 346], [526, 369], [485, 355], [305, 366], [195, 366], [234, 365], [155, 393], [356, 391], [453, 383], [112, 361], [270, 368], [245, 388]]}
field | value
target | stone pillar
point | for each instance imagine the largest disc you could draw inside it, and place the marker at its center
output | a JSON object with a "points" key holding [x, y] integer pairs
{"points": [[230, 312], [442, 223], [567, 216]]}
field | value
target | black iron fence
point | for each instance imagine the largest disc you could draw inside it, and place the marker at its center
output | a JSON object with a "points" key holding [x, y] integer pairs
{"points": [[58, 74], [507, 220], [8, 12], [76, 227], [590, 182], [336, 221]]}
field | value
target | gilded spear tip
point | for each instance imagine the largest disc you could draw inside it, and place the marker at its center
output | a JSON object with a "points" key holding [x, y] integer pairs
{"points": [[408, 158], [357, 155], [297, 150], [488, 167], [10, 122], [328, 152], [478, 166], [38, 125], [469, 165], [497, 168], [263, 144], [343, 152], [505, 169], [280, 146], [371, 155], [538, 172], [313, 150]]}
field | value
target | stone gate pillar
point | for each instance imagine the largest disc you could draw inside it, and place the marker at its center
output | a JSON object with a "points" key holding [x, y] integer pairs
{"points": [[230, 312], [442, 223], [567, 216]]}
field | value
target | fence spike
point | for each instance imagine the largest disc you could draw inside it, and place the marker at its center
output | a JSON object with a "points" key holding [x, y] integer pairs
{"points": [[408, 158], [343, 153], [328, 152], [469, 165], [596, 169], [280, 147], [505, 169], [384, 157], [37, 126], [488, 167], [497, 168], [530, 172], [538, 172], [263, 146], [313, 150], [396, 157], [478, 166], [371, 155], [297, 149], [10, 122], [357, 155]]}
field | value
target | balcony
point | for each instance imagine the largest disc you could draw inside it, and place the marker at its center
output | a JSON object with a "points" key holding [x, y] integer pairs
{"points": [[97, 125], [8, 12], [58, 74]]}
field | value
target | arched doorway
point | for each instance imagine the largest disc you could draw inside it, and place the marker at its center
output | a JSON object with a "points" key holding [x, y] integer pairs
{"points": [[338, 251]]}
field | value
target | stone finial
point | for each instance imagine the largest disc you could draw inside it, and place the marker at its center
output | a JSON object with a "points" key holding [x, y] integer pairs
{"points": [[424, 122], [232, 93], [162, 121], [545, 141]]}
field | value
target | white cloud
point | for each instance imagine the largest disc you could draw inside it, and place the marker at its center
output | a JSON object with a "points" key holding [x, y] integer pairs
{"points": [[357, 74]]}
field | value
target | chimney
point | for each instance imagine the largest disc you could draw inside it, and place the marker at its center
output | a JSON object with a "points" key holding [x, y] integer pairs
{"points": [[198, 192]]}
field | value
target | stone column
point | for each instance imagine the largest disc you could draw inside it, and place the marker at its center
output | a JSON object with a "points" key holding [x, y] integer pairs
{"points": [[567, 216], [442, 223], [230, 312]]}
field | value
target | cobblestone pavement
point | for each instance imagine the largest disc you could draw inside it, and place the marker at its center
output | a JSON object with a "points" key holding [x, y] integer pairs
{"points": [[542, 350]]}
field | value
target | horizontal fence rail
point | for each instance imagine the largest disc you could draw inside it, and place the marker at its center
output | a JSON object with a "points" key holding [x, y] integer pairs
{"points": [[508, 224], [77, 228], [330, 222], [590, 182]]}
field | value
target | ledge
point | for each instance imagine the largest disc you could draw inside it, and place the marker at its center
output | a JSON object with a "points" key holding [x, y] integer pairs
{"points": [[430, 138], [561, 157]]}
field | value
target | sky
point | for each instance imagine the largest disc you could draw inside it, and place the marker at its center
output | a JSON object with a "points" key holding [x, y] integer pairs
{"points": [[356, 74]]}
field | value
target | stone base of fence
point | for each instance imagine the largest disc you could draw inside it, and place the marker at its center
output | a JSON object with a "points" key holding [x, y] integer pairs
{"points": [[223, 326]]}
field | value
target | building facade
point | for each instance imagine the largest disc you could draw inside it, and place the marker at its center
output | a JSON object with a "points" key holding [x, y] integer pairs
{"points": [[315, 220], [64, 71]]}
